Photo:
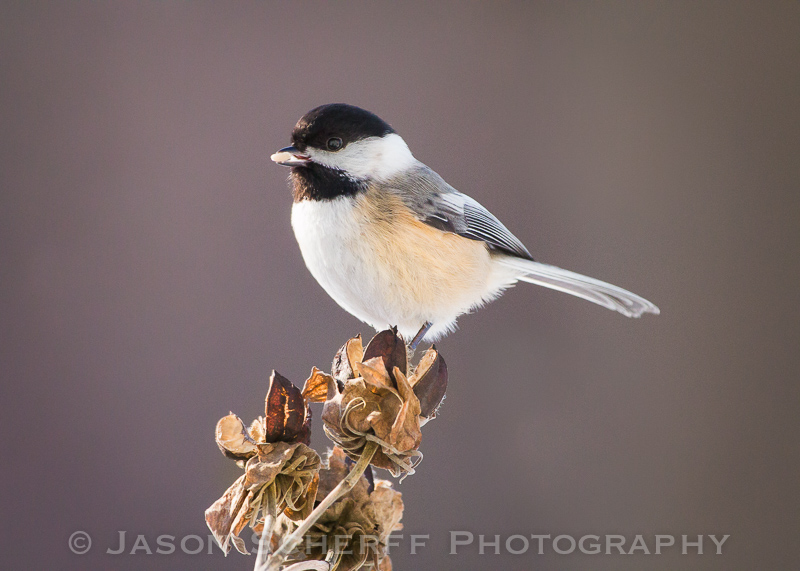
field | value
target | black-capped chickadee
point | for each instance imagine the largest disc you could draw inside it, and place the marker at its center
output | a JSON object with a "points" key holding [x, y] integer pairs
{"points": [[394, 244]]}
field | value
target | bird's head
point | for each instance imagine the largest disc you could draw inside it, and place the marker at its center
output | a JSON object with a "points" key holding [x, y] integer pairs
{"points": [[347, 140]]}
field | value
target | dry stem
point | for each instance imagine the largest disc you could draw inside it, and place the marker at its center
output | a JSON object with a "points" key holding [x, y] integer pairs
{"points": [[266, 533]]}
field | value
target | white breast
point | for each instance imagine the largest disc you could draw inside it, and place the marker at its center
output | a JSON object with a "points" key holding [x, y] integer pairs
{"points": [[329, 239]]}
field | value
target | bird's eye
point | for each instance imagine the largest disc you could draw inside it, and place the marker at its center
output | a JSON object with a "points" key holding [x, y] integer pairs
{"points": [[334, 144]]}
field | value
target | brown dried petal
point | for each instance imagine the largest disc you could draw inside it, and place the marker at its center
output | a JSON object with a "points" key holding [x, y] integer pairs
{"points": [[405, 434], [336, 467], [315, 388], [269, 462], [233, 438], [221, 515], [385, 508], [355, 350], [240, 522], [425, 363], [430, 382], [374, 372], [285, 410], [344, 362], [403, 386], [390, 347], [332, 409]]}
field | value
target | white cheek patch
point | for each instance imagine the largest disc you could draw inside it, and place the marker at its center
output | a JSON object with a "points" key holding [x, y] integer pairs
{"points": [[371, 158]]}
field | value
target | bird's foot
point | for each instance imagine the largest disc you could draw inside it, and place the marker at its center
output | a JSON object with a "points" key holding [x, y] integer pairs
{"points": [[419, 336]]}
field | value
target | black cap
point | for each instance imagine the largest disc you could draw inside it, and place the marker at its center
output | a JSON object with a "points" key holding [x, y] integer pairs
{"points": [[346, 122]]}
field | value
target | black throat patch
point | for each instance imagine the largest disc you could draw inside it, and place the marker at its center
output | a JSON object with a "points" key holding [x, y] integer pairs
{"points": [[316, 182]]}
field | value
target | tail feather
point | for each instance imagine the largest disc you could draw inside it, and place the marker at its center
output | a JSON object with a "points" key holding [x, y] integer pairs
{"points": [[596, 291]]}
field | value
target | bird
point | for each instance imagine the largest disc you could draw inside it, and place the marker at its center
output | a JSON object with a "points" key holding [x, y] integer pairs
{"points": [[394, 244]]}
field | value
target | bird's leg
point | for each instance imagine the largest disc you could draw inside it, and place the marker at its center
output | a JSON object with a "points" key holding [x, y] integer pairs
{"points": [[420, 334]]}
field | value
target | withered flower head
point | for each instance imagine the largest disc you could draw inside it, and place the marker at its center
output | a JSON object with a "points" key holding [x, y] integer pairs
{"points": [[281, 471], [370, 396], [353, 532]]}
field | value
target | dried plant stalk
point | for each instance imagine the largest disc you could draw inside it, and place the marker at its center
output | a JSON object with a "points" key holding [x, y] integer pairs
{"points": [[374, 408]]}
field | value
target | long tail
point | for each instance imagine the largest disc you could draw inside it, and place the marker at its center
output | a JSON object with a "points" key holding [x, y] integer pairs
{"points": [[601, 293]]}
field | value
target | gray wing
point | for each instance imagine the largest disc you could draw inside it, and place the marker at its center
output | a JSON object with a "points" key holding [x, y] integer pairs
{"points": [[440, 205]]}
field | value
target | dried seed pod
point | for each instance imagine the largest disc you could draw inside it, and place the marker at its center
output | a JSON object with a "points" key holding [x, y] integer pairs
{"points": [[369, 397], [280, 470]]}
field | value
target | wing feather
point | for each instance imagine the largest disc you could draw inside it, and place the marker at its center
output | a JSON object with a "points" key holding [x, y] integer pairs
{"points": [[440, 205]]}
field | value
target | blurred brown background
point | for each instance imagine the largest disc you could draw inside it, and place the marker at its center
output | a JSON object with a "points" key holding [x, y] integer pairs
{"points": [[150, 279]]}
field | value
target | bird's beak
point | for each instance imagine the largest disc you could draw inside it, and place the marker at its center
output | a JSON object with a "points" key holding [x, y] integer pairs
{"points": [[290, 157]]}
